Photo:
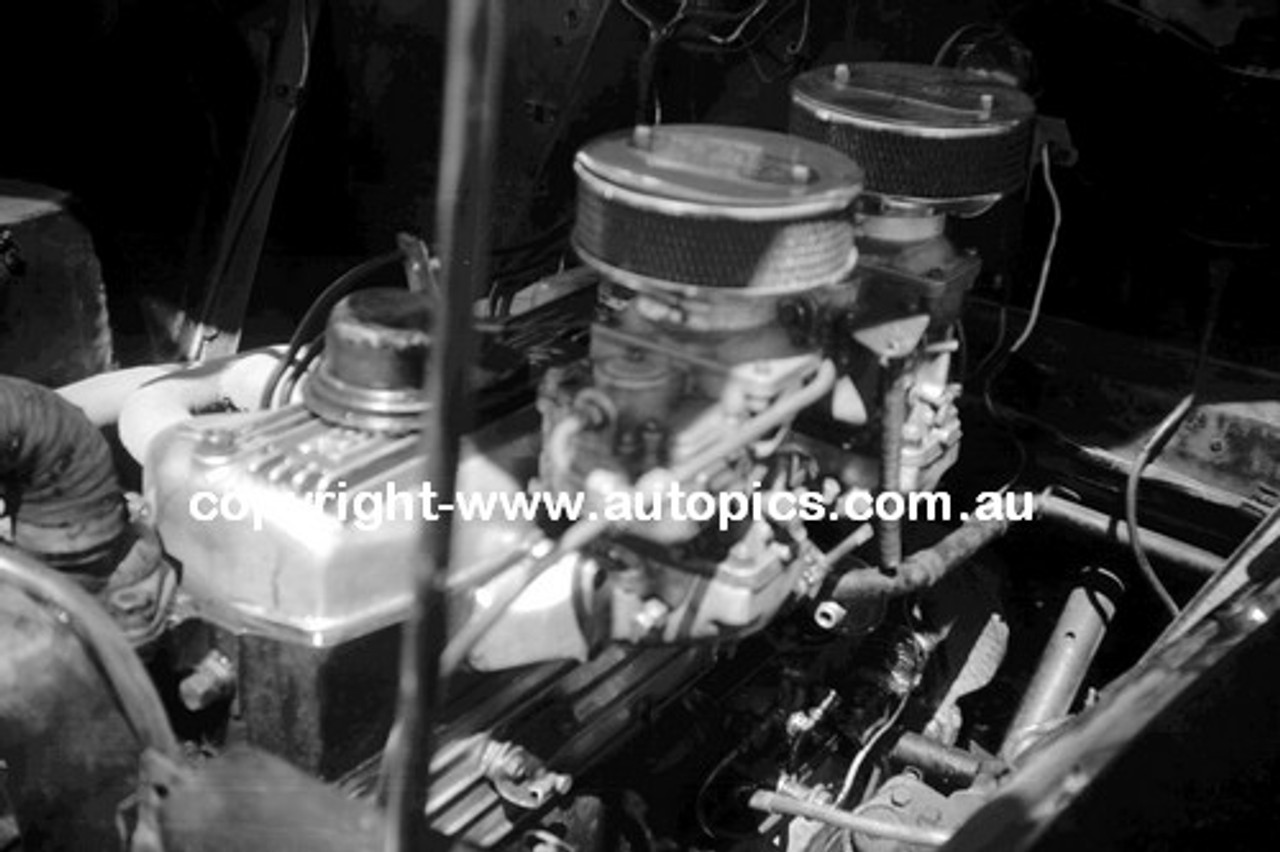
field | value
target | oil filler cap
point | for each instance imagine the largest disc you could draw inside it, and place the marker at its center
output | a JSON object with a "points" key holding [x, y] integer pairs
{"points": [[374, 367]]}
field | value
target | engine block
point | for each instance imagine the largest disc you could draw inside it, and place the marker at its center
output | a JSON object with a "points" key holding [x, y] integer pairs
{"points": [[737, 353]]}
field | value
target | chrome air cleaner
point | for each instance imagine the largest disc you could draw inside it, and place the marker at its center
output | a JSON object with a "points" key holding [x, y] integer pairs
{"points": [[680, 206], [934, 136]]}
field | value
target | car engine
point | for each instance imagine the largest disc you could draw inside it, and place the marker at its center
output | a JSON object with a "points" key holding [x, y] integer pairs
{"points": [[707, 588]]}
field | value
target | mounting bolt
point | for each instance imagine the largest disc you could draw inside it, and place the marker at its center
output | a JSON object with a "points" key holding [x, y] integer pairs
{"points": [[829, 615], [131, 602], [213, 680], [216, 445], [652, 616], [929, 816], [642, 137]]}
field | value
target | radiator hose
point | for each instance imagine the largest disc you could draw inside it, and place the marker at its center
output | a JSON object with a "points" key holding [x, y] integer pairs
{"points": [[58, 481]]}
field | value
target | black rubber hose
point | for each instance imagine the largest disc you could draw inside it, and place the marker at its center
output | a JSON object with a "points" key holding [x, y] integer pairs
{"points": [[59, 483], [312, 323]]}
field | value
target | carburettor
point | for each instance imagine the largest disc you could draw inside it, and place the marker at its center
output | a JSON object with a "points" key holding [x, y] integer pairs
{"points": [[935, 142], [691, 384]]}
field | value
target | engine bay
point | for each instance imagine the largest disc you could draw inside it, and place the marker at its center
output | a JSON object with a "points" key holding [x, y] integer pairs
{"points": [[752, 526]]}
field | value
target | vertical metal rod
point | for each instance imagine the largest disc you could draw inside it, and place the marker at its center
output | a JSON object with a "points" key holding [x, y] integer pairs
{"points": [[892, 419], [473, 64], [234, 269], [1066, 659]]}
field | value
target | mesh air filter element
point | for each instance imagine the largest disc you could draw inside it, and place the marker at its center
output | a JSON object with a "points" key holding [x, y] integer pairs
{"points": [[706, 206], [922, 133]]}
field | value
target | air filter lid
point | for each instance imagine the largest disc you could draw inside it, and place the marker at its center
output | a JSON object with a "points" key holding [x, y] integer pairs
{"points": [[922, 133], [734, 172], [917, 99], [714, 206]]}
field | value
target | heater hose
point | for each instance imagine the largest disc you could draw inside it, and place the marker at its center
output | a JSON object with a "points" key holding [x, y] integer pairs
{"points": [[58, 480]]}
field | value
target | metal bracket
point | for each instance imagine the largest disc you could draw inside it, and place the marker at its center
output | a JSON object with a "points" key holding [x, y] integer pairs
{"points": [[220, 319]]}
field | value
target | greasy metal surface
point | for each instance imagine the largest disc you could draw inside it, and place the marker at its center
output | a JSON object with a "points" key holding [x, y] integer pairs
{"points": [[570, 717], [1166, 710], [950, 765], [1072, 646], [907, 801], [302, 561], [323, 709]]}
